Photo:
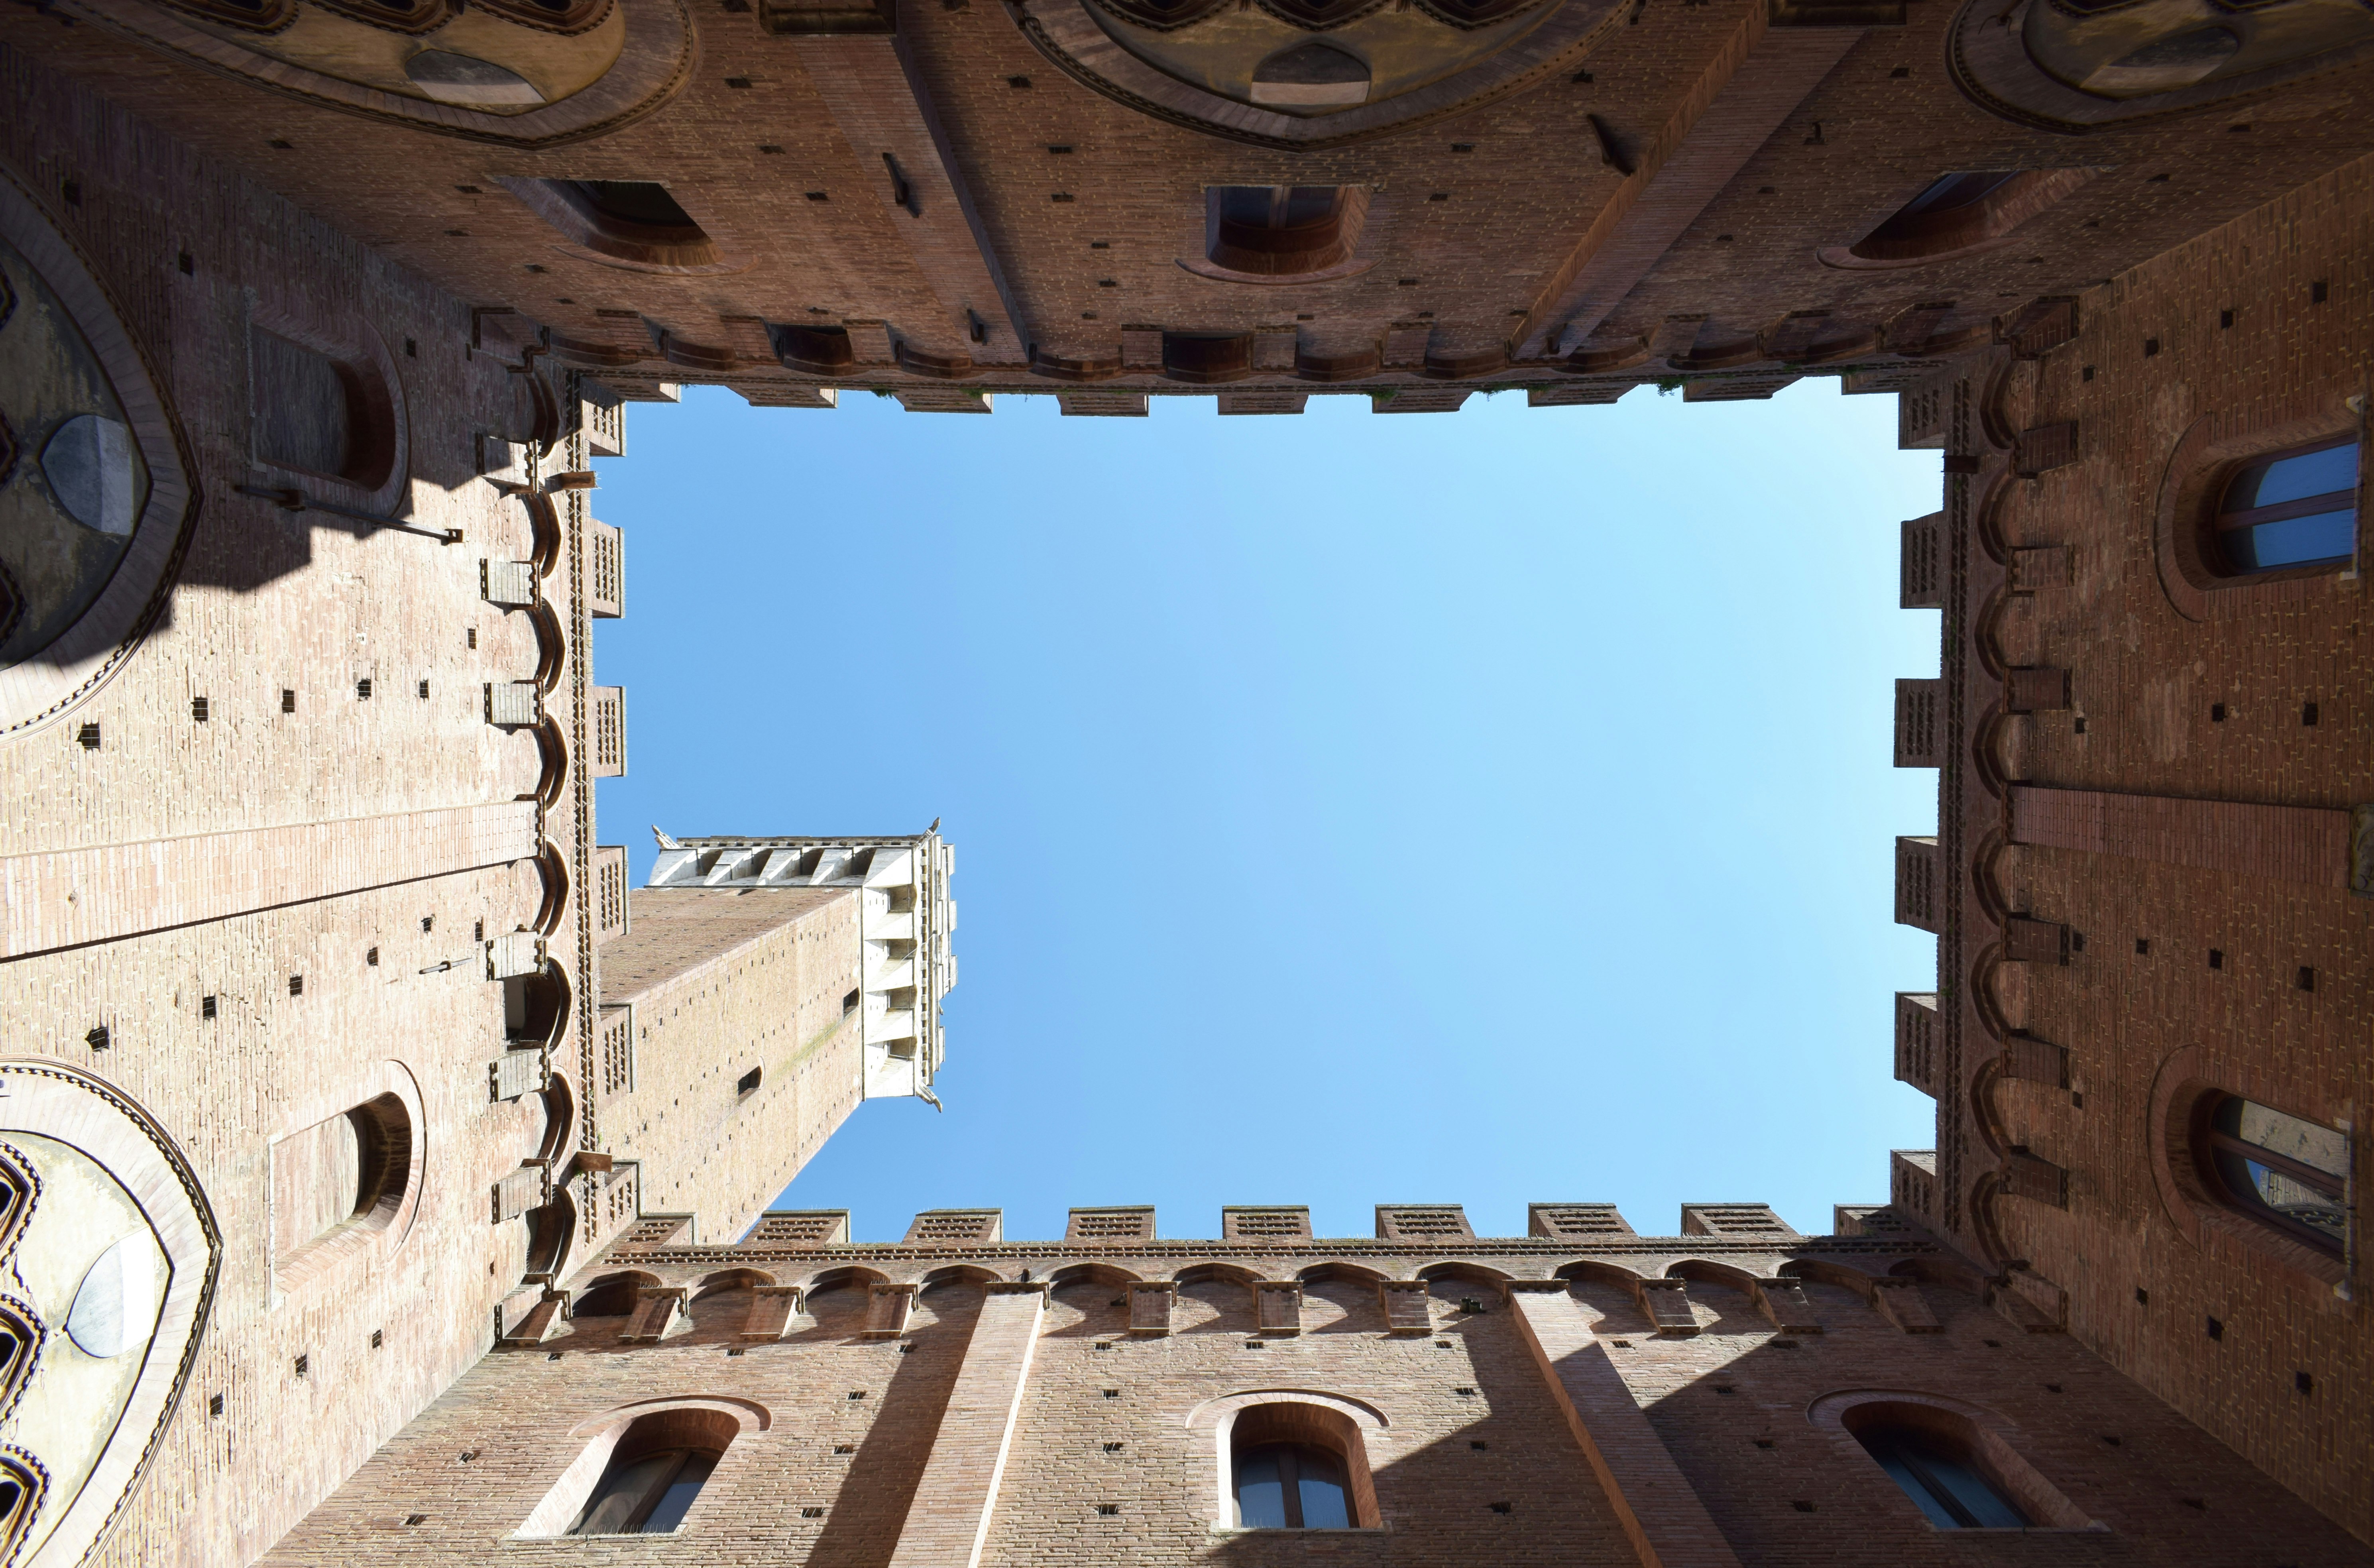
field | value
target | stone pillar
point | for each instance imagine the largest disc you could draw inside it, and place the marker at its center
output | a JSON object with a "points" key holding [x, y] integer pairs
{"points": [[1662, 1516], [947, 1523]]}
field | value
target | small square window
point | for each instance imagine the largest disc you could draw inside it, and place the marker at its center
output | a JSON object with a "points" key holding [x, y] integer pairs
{"points": [[1469, 1392], [424, 692], [2216, 712], [2143, 947], [205, 1007], [1113, 1393], [215, 1405], [811, 1513], [844, 1448], [2216, 959], [296, 985], [857, 1393], [1764, 1443], [2216, 1329], [2308, 714], [1803, 1507], [1478, 1446], [303, 1366], [97, 1039], [370, 957], [1113, 1447], [1503, 1507], [87, 738], [2304, 1383], [2143, 1297], [287, 701], [414, 1521], [1107, 1509], [379, 1338], [363, 690], [198, 710], [2305, 979]]}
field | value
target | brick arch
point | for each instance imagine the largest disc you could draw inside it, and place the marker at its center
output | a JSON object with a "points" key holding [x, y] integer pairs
{"points": [[1336, 1269], [1591, 1270], [1982, 1432], [1078, 1274], [1459, 1269], [1214, 1273], [726, 1279], [613, 1295], [959, 1274], [1299, 1415], [1707, 1271], [834, 1278]]}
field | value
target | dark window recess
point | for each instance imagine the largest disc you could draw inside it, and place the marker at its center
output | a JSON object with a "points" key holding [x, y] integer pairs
{"points": [[1255, 1345], [748, 1081], [811, 1513], [288, 698], [2287, 1172], [362, 691], [319, 415], [1113, 1447], [2297, 508], [1282, 231], [2216, 712], [2304, 1383], [1953, 213], [2143, 945], [2216, 1329], [189, 265], [631, 201], [849, 1003], [378, 1339], [1113, 1393], [1941, 1477], [2151, 347], [2305, 979], [2143, 1297], [296, 985], [2225, 319], [371, 958], [2217, 958], [424, 692], [214, 1404], [97, 1039], [1801, 1506], [844, 1448], [87, 738], [478, 930], [2308, 714], [1107, 1509], [303, 1366], [198, 710], [2315, 293], [1502, 1508], [1018, 82], [857, 1393], [1479, 1446], [1764, 1443], [471, 636], [205, 1007]]}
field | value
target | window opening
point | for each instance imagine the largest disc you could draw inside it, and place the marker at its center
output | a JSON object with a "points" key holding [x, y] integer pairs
{"points": [[1282, 231], [1290, 1486], [1949, 1489], [629, 200], [647, 1494], [2288, 1172], [1962, 209], [2294, 508]]}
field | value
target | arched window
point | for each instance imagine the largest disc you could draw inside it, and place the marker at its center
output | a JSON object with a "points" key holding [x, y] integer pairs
{"points": [[639, 1476], [637, 222], [1263, 232], [1940, 1476], [1958, 212], [2284, 1172], [339, 1182], [2294, 508], [320, 415], [645, 1491], [1293, 1465], [1291, 1486]]}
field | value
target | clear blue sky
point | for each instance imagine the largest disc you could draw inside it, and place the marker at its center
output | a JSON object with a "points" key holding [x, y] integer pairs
{"points": [[1480, 807]]}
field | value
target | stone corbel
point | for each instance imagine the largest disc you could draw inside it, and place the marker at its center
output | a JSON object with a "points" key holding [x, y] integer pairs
{"points": [[1782, 1300], [1278, 1306], [657, 1310], [1406, 1303], [772, 1307], [1666, 1303], [887, 1310], [1150, 1301]]}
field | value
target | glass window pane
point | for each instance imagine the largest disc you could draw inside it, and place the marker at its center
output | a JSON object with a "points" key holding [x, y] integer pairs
{"points": [[669, 1512], [620, 1491], [1309, 204], [1901, 1474], [2286, 1194], [2294, 478], [1261, 1499], [2326, 1149], [1966, 1487], [1956, 191], [2295, 541], [1323, 1500], [1247, 204]]}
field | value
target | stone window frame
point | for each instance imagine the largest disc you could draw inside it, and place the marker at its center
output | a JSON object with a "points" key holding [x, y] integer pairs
{"points": [[734, 1421], [2187, 1081], [38, 692], [1985, 1434], [1342, 1422], [390, 1095], [2210, 452]]}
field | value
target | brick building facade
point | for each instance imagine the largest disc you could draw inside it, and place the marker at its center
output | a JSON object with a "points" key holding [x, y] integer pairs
{"points": [[323, 992]]}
